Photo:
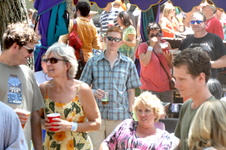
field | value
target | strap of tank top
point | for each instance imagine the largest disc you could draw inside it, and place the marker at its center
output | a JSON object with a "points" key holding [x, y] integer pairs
{"points": [[79, 88]]}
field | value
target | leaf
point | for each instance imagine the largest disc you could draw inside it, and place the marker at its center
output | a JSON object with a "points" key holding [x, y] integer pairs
{"points": [[80, 145], [84, 135], [66, 112], [78, 109], [47, 110], [58, 147], [50, 134], [74, 142], [52, 106], [53, 145]]}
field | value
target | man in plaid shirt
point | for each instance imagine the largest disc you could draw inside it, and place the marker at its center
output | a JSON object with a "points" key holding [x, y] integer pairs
{"points": [[116, 74]]}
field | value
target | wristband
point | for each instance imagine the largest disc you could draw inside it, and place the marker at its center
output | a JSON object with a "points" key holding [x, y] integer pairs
{"points": [[93, 91], [150, 48], [74, 126]]}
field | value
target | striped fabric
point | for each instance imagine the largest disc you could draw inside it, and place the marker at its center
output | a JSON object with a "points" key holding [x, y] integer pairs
{"points": [[117, 80]]}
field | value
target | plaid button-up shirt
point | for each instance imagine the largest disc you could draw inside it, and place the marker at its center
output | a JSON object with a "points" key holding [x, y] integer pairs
{"points": [[117, 80]]}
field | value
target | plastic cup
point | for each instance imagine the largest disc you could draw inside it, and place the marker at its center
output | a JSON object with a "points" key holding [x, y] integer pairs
{"points": [[105, 98], [23, 111], [164, 46], [51, 117]]}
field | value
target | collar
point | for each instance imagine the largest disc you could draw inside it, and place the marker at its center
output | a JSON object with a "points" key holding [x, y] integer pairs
{"points": [[83, 18], [102, 56]]}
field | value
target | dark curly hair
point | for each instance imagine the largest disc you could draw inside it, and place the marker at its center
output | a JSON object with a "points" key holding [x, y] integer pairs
{"points": [[196, 60]]}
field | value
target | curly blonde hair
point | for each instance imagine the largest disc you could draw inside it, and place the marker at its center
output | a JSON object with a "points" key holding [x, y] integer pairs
{"points": [[150, 101], [208, 128], [21, 33]]}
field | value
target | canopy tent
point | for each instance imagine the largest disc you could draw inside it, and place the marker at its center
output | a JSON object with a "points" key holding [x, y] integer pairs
{"points": [[144, 5]]}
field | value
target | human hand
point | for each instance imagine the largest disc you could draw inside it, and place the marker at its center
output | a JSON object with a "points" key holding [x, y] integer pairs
{"points": [[99, 93], [61, 125], [23, 115], [167, 55], [153, 41]]}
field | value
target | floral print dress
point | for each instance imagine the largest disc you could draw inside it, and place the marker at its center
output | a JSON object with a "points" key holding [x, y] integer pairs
{"points": [[124, 137], [66, 140]]}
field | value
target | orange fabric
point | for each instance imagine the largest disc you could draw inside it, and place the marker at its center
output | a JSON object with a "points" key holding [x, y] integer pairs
{"points": [[167, 34]]}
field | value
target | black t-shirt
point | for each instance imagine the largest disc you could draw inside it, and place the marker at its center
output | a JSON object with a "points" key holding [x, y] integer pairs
{"points": [[211, 43]]}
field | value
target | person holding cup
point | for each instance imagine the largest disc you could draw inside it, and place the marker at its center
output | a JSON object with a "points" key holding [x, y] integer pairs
{"points": [[68, 102], [152, 75]]}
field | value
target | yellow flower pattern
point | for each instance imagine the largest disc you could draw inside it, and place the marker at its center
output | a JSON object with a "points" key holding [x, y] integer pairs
{"points": [[66, 140]]}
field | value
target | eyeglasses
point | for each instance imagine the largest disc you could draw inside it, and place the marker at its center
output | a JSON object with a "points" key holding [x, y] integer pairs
{"points": [[196, 21], [116, 39], [53, 60], [44, 60], [29, 50], [155, 35]]}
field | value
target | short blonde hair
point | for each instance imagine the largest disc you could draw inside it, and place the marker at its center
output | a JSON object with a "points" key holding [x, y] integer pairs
{"points": [[150, 101], [67, 53], [209, 126], [167, 9]]}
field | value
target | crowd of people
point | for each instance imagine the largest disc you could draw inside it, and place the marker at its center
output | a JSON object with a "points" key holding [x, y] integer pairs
{"points": [[87, 118]]}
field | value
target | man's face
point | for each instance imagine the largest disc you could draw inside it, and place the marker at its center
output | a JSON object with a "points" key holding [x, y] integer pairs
{"points": [[198, 27], [113, 45], [206, 9], [23, 54], [187, 85]]}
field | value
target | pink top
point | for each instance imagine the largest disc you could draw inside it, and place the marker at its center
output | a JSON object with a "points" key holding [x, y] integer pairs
{"points": [[124, 137], [152, 76]]}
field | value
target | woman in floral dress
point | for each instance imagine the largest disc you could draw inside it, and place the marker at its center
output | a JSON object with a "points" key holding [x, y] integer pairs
{"points": [[69, 97]]}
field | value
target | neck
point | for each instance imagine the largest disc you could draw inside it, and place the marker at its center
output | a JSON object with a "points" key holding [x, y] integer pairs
{"points": [[144, 132], [60, 84], [209, 17], [200, 34], [200, 97], [7, 59], [111, 55]]}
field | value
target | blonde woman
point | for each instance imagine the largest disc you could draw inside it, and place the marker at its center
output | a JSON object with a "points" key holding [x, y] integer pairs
{"points": [[208, 129], [141, 134], [169, 24]]}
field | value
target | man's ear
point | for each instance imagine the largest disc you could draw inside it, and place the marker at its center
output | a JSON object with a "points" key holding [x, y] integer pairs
{"points": [[202, 77], [15, 47]]}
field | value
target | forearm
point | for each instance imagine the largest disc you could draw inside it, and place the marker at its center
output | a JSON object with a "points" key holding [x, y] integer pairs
{"points": [[131, 95], [36, 130], [89, 126], [220, 63], [130, 43], [145, 58]]}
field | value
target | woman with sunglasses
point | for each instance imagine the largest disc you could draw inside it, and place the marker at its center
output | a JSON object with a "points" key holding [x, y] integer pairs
{"points": [[129, 35], [169, 23], [69, 97], [152, 75]]}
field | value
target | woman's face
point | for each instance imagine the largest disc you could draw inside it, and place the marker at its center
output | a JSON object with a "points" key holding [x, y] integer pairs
{"points": [[154, 35], [146, 116], [57, 67], [119, 21], [172, 12]]}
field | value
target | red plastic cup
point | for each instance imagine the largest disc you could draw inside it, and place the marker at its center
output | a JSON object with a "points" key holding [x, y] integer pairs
{"points": [[51, 117]]}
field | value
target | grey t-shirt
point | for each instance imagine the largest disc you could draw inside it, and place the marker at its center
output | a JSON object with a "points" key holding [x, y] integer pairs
{"points": [[11, 133], [19, 90]]}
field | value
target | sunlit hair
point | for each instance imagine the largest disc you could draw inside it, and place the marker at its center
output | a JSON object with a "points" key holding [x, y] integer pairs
{"points": [[67, 53], [21, 33], [114, 29], [208, 128], [153, 26], [200, 13], [167, 9], [150, 101], [124, 16], [215, 88]]}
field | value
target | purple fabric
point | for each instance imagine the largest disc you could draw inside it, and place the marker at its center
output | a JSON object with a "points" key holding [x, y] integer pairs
{"points": [[185, 5], [44, 5]]}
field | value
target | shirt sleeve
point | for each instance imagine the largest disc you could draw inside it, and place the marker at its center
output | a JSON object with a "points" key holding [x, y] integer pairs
{"points": [[87, 73], [220, 48], [133, 80], [142, 48], [95, 43]]}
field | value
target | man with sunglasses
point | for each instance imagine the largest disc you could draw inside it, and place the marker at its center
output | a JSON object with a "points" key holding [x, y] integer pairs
{"points": [[18, 85], [209, 42], [113, 72]]}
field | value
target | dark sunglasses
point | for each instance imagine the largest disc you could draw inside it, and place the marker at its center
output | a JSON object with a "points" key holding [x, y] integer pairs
{"points": [[116, 39], [53, 60], [29, 50], [196, 21], [155, 35]]}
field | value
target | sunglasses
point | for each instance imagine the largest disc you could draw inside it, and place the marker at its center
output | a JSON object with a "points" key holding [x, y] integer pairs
{"points": [[53, 60], [196, 21], [29, 50], [155, 35], [116, 39]]}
